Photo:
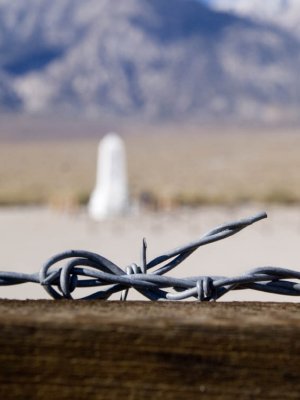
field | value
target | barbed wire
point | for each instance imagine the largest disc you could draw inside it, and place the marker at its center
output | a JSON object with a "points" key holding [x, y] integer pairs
{"points": [[84, 269]]}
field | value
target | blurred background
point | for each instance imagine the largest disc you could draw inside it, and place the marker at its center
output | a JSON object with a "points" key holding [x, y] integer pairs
{"points": [[206, 96]]}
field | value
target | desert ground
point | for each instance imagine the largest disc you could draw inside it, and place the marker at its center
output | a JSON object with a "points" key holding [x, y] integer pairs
{"points": [[192, 181], [169, 166]]}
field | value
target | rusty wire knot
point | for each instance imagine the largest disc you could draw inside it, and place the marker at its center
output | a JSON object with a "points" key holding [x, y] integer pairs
{"points": [[84, 269]]}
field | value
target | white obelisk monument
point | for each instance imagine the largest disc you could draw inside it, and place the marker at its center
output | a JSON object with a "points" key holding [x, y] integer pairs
{"points": [[110, 195]]}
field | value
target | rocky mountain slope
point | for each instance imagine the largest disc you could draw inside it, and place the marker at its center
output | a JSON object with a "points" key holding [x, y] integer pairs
{"points": [[282, 13], [146, 59]]}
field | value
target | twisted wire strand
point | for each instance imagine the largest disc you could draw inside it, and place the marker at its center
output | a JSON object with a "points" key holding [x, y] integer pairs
{"points": [[72, 269]]}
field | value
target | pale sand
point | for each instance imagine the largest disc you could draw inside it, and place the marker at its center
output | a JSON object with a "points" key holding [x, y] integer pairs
{"points": [[29, 236]]}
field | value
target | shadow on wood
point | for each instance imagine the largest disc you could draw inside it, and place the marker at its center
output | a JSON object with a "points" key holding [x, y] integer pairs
{"points": [[142, 350]]}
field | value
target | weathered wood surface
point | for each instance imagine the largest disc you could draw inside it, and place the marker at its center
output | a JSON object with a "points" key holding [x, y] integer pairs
{"points": [[138, 350]]}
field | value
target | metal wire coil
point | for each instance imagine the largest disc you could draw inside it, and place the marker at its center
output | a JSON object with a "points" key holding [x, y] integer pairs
{"points": [[86, 269]]}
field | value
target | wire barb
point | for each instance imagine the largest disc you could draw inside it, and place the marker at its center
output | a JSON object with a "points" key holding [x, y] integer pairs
{"points": [[73, 269]]}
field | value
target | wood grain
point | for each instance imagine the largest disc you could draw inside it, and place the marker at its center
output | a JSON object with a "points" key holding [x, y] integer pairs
{"points": [[142, 350]]}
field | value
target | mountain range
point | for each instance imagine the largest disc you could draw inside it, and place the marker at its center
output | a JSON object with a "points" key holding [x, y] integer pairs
{"points": [[155, 60]]}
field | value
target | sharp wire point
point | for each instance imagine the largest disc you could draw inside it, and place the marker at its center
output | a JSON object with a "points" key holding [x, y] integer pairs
{"points": [[144, 257]]}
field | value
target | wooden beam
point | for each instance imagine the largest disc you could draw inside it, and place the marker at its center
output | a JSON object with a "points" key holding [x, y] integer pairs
{"points": [[143, 350]]}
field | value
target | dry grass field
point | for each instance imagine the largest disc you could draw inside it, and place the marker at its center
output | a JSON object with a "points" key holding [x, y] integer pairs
{"points": [[166, 167]]}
